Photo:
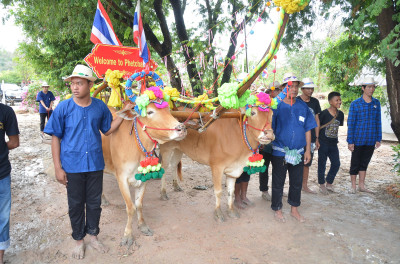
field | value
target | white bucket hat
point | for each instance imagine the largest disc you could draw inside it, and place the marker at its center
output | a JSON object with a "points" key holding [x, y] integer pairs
{"points": [[275, 84], [44, 84], [368, 81], [291, 77], [308, 83], [81, 71]]}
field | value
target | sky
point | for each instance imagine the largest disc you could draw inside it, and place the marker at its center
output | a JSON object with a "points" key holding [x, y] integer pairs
{"points": [[11, 34]]}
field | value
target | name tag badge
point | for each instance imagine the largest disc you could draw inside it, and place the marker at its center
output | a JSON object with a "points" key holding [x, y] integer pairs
{"points": [[301, 118]]}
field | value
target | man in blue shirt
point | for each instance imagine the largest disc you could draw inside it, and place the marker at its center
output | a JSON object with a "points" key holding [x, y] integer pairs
{"points": [[9, 127], [45, 99], [364, 133], [292, 122], [78, 157]]}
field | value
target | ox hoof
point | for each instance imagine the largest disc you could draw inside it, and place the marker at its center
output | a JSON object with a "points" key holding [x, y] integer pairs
{"points": [[145, 230], [218, 215], [164, 196], [177, 188], [233, 213], [127, 241]]}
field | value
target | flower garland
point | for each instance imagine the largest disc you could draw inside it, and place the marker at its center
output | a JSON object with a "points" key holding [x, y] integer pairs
{"points": [[262, 100], [292, 6], [150, 95]]}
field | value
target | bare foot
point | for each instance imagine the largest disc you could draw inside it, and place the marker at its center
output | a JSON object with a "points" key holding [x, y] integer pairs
{"points": [[239, 204], [308, 190], [365, 190], [298, 216], [279, 217], [97, 245], [79, 251], [246, 201]]}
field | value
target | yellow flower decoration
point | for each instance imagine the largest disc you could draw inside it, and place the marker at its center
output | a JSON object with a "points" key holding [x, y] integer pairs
{"points": [[113, 78], [202, 98], [292, 6], [150, 94], [172, 92]]}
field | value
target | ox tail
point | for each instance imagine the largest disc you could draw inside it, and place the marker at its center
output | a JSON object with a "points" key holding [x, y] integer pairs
{"points": [[179, 170]]}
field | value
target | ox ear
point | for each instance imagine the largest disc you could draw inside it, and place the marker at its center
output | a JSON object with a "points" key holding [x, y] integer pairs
{"points": [[127, 114], [242, 110]]}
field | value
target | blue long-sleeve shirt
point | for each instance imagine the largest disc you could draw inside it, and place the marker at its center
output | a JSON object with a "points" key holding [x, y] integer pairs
{"points": [[364, 123], [290, 124]]}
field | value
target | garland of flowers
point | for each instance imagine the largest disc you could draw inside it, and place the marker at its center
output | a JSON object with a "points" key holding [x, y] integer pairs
{"points": [[292, 6]]}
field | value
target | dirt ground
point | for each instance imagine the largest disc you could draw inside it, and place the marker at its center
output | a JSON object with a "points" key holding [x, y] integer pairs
{"points": [[340, 227]]}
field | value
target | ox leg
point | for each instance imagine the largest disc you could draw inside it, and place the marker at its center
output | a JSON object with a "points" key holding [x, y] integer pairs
{"points": [[163, 191], [217, 181], [230, 185], [130, 210], [171, 160], [139, 194]]}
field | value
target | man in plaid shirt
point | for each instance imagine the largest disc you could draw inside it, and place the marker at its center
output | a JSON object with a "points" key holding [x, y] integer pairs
{"points": [[364, 133]]}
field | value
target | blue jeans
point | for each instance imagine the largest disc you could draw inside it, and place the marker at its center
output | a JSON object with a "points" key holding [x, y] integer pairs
{"points": [[5, 208], [326, 151]]}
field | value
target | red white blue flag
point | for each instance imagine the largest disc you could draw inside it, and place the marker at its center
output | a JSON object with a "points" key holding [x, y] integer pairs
{"points": [[138, 35], [102, 30]]}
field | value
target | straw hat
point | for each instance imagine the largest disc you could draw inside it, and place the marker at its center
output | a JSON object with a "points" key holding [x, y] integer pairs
{"points": [[275, 84], [291, 77], [44, 84], [308, 83], [81, 71], [368, 81]]}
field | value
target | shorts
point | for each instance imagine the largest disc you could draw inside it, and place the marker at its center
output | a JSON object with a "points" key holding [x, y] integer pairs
{"points": [[243, 178], [360, 158], [310, 162]]}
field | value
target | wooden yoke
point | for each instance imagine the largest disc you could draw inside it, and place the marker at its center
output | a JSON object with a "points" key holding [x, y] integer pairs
{"points": [[265, 60]]}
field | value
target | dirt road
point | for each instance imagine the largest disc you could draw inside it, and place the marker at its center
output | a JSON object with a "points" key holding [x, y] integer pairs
{"points": [[340, 227]]}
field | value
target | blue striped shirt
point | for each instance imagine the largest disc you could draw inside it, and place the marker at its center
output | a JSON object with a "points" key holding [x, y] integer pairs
{"points": [[364, 123]]}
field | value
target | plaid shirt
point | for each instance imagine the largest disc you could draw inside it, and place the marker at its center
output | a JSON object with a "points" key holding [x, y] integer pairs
{"points": [[364, 122]]}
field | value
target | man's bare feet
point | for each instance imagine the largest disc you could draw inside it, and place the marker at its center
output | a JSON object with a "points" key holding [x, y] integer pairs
{"points": [[239, 204], [97, 245], [295, 213], [278, 215], [330, 187], [247, 202], [79, 251], [365, 190], [308, 190]]}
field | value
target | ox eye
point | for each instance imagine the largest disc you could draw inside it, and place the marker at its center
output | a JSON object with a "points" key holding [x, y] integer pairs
{"points": [[150, 112], [253, 113]]}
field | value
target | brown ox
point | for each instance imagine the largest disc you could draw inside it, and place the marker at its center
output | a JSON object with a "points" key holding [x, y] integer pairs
{"points": [[222, 148], [122, 157]]}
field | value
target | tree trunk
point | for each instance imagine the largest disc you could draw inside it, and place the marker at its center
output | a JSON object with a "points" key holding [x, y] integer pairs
{"points": [[189, 54], [386, 24]]}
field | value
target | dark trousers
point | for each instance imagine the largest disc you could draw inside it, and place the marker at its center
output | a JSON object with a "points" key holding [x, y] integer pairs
{"points": [[84, 190], [264, 175], [360, 158], [43, 117], [326, 151], [279, 169]]}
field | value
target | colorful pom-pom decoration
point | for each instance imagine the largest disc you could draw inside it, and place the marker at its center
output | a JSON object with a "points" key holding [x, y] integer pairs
{"points": [[251, 32], [268, 3], [149, 168], [233, 57], [291, 6], [255, 164]]}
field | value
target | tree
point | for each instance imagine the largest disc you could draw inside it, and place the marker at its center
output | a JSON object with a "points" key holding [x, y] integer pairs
{"points": [[371, 39]]}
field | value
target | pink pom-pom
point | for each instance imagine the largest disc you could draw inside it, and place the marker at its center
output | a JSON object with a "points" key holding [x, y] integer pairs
{"points": [[233, 57], [259, 19], [264, 98], [157, 92], [290, 82], [275, 57], [274, 71], [162, 105]]}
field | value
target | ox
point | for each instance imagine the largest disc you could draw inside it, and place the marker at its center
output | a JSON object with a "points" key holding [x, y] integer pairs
{"points": [[122, 156], [222, 148]]}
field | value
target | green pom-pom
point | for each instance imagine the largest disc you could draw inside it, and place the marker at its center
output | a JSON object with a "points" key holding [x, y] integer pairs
{"points": [[162, 170], [138, 176], [227, 95], [143, 179], [274, 103], [166, 97], [263, 169], [251, 100], [243, 98], [246, 169], [248, 112], [148, 176], [142, 102]]}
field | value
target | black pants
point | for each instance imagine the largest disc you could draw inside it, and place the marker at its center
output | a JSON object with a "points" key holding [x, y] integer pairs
{"points": [[360, 158], [43, 119], [279, 169], [84, 190], [264, 175]]}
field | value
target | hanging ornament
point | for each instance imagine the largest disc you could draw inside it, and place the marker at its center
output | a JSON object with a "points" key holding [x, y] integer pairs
{"points": [[242, 45], [255, 164], [251, 32], [233, 57], [259, 19], [149, 168]]}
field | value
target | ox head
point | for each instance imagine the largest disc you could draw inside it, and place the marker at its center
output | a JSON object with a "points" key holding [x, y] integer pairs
{"points": [[155, 114], [259, 118]]}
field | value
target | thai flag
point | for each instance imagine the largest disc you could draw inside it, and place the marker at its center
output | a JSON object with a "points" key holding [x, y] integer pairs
{"points": [[138, 35], [102, 30]]}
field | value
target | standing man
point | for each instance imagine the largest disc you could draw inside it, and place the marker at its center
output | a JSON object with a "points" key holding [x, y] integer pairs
{"points": [[364, 133], [45, 99], [78, 157], [292, 122], [9, 126], [315, 108]]}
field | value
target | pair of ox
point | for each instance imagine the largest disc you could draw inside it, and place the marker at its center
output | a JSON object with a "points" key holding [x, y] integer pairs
{"points": [[221, 147]]}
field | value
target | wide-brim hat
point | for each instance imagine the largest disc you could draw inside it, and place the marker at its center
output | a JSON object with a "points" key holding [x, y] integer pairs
{"points": [[308, 83], [44, 84], [275, 84], [81, 71], [368, 81], [290, 77]]}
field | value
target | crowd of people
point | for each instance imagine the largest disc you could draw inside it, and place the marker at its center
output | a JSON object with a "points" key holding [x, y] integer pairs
{"points": [[299, 125]]}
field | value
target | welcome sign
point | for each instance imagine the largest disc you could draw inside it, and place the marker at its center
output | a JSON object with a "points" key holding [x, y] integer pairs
{"points": [[126, 59]]}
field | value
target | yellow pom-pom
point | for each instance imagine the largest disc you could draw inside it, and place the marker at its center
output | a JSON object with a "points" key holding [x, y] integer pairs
{"points": [[278, 9], [272, 88], [150, 94], [268, 3]]}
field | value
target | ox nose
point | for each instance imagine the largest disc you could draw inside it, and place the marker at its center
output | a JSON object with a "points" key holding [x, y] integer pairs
{"points": [[181, 128]]}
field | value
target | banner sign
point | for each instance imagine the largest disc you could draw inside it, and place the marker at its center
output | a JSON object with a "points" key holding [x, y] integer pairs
{"points": [[104, 57]]}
